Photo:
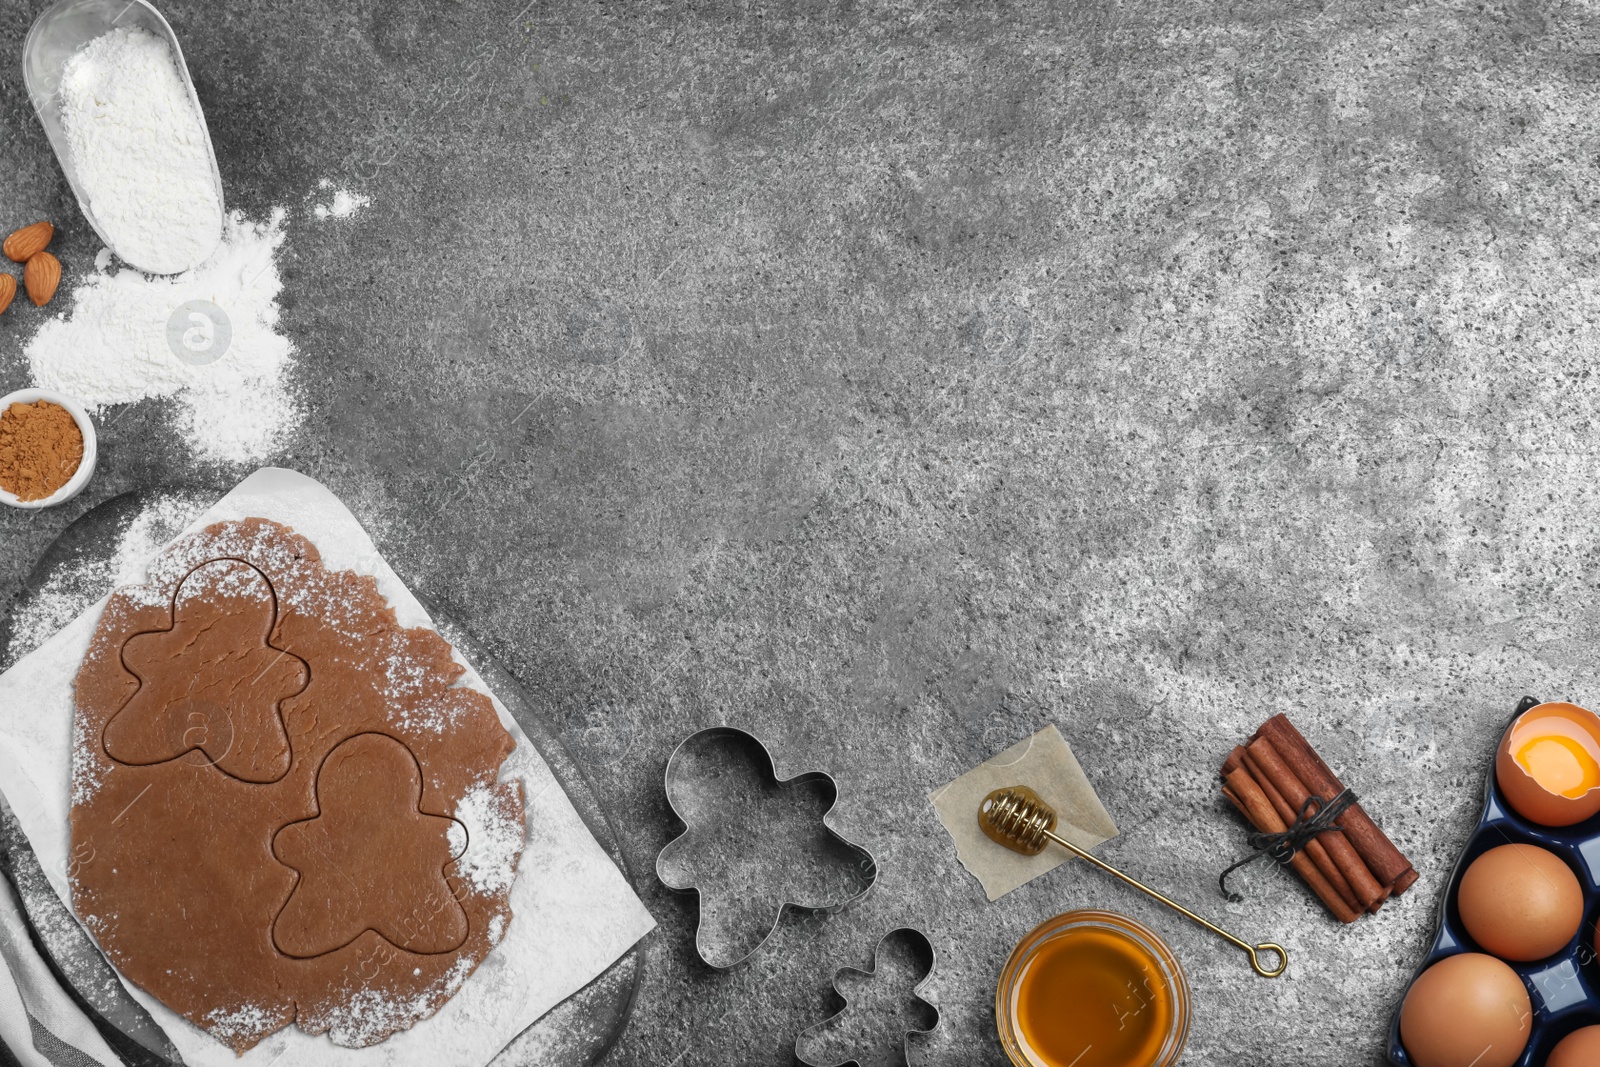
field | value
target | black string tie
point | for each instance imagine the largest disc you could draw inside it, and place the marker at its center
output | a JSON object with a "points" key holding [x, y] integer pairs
{"points": [[1283, 847]]}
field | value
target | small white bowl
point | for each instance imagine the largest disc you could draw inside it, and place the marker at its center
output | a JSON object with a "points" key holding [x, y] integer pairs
{"points": [[91, 449]]}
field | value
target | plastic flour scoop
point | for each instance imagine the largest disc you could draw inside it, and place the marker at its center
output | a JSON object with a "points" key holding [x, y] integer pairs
{"points": [[59, 32]]}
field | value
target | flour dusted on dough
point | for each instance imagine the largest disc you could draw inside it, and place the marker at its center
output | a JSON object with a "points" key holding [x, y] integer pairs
{"points": [[75, 586], [494, 840], [332, 929], [139, 148], [577, 913]]}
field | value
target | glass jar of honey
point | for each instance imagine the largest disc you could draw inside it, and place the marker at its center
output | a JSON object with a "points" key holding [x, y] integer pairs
{"points": [[1092, 989]]}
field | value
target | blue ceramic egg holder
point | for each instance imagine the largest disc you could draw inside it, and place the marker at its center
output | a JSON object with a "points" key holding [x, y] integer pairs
{"points": [[1564, 988]]}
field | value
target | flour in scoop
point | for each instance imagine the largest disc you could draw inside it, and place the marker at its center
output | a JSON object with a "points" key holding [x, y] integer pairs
{"points": [[140, 150]]}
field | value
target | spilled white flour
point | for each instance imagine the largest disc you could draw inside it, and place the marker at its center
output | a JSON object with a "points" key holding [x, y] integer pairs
{"points": [[140, 150], [335, 202], [207, 338]]}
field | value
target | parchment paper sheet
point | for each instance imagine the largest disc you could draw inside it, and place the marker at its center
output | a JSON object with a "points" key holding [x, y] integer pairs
{"points": [[573, 913], [1045, 764]]}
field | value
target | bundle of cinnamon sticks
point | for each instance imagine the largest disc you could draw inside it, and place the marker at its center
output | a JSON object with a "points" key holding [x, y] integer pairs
{"points": [[1352, 870]]}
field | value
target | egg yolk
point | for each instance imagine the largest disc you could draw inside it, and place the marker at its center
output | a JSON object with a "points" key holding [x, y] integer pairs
{"points": [[1560, 764]]}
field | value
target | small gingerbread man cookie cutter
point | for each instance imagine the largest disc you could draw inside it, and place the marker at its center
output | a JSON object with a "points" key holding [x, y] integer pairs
{"points": [[684, 881], [924, 950]]}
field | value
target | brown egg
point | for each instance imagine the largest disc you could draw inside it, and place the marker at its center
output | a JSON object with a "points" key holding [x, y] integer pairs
{"points": [[1469, 1010], [1581, 1048], [1520, 902], [1548, 765]]}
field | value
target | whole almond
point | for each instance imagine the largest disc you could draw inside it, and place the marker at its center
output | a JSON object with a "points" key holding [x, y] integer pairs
{"points": [[28, 242], [8, 289], [40, 276]]}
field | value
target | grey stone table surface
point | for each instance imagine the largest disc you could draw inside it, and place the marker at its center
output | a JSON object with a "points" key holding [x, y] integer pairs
{"points": [[892, 380]]}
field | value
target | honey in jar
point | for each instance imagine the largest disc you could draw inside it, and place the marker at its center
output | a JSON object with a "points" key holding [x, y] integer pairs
{"points": [[1092, 989]]}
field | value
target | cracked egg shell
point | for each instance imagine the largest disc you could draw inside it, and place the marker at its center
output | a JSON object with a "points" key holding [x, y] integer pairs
{"points": [[1561, 742]]}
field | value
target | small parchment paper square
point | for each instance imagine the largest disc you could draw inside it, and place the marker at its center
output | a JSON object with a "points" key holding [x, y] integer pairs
{"points": [[1045, 764]]}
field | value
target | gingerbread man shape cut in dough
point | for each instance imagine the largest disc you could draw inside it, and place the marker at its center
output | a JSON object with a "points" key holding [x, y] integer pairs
{"points": [[213, 683], [371, 859]]}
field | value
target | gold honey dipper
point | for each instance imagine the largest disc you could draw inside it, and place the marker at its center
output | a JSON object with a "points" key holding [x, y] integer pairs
{"points": [[1019, 819]]}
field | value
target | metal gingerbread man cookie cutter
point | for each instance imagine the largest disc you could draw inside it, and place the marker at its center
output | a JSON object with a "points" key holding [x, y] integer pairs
{"points": [[687, 765], [923, 949]]}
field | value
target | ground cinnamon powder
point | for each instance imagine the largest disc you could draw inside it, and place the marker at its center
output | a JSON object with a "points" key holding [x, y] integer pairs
{"points": [[40, 449]]}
